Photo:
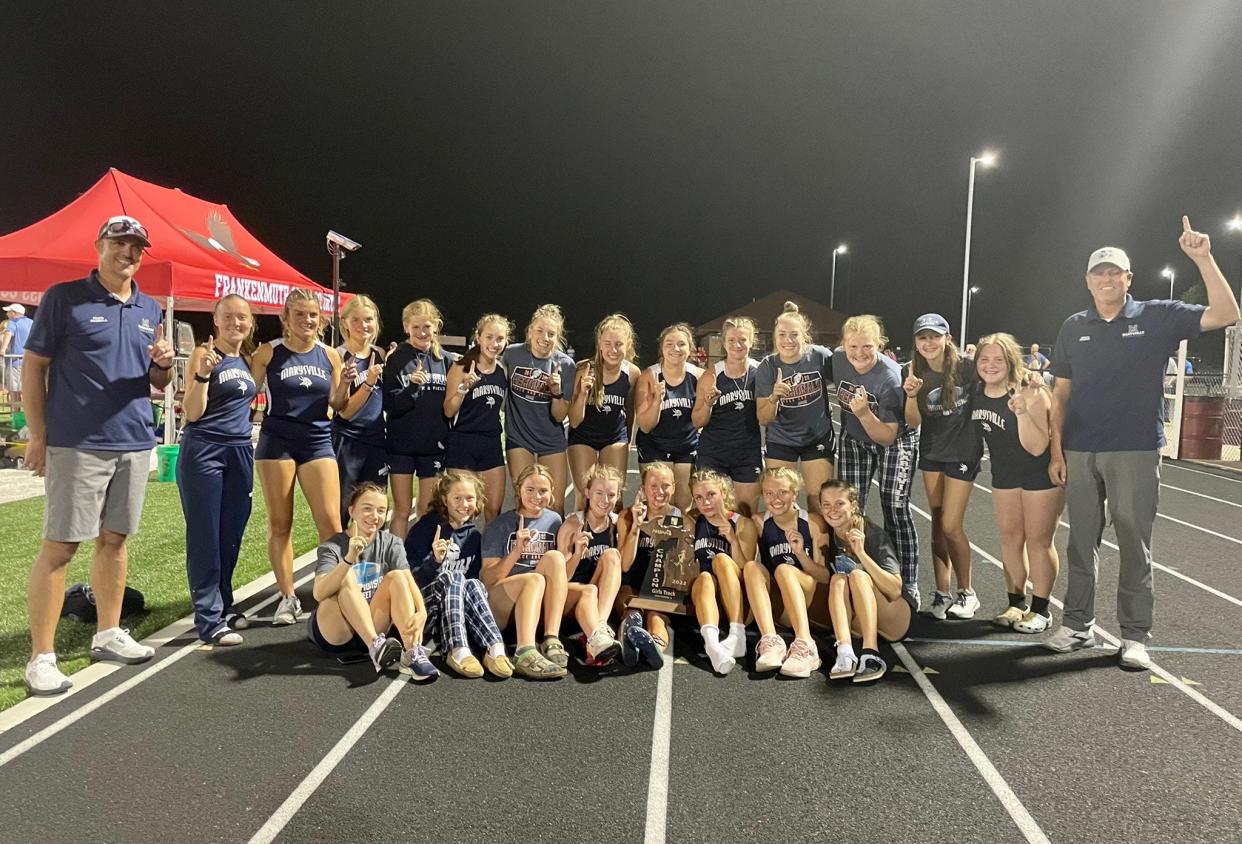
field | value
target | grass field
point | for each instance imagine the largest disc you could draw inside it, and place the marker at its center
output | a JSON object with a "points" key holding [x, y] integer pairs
{"points": [[156, 568]]}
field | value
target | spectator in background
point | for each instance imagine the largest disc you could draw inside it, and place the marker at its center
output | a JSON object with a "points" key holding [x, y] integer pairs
{"points": [[1036, 361], [12, 346], [969, 351]]}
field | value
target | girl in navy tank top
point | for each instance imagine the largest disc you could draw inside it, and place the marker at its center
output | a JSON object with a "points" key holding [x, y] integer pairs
{"points": [[791, 561], [473, 400], [358, 430], [588, 539], [724, 541], [724, 409], [415, 376], [601, 414], [215, 468], [303, 378], [666, 393]]}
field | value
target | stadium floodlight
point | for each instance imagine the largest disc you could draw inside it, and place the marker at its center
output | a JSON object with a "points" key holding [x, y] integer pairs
{"points": [[987, 159], [832, 290], [1168, 273]]}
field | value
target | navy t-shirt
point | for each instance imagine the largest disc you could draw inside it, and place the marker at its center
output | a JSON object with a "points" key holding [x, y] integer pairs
{"points": [[416, 423], [946, 435], [883, 385], [501, 536], [99, 383], [465, 553], [1116, 369], [226, 419]]}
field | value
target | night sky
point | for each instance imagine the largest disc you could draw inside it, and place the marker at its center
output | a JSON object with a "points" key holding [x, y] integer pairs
{"points": [[671, 160]]}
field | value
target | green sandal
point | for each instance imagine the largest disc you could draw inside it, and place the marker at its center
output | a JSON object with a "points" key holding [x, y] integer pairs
{"points": [[532, 665], [554, 651]]}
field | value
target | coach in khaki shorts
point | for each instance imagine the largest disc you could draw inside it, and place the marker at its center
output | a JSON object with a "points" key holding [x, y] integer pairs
{"points": [[93, 354]]}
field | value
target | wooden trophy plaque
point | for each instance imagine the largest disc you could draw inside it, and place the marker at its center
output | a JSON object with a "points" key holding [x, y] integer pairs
{"points": [[672, 569]]}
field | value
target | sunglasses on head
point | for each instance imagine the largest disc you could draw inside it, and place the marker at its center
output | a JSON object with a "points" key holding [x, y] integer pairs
{"points": [[126, 227]]}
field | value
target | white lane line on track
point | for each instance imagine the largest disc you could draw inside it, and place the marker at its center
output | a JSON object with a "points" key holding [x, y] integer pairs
{"points": [[1202, 495], [657, 779], [1201, 472], [1026, 824], [112, 694], [1199, 698], [1030, 643], [285, 812], [1160, 566]]}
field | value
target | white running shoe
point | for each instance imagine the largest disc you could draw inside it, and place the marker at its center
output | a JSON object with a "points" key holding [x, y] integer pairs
{"points": [[43, 677], [769, 653], [802, 660], [1032, 622], [287, 610], [1065, 640], [116, 645], [966, 605], [941, 601], [1133, 655]]}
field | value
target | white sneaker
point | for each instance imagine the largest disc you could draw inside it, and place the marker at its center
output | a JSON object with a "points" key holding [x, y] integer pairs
{"points": [[769, 653], [116, 645], [966, 605], [941, 601], [43, 677], [1133, 655], [1032, 622], [287, 610], [1065, 640], [721, 656], [802, 660]]}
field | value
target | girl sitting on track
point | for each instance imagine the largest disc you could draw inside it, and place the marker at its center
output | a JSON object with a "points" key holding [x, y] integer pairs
{"points": [[358, 430], [295, 442], [875, 438], [588, 539], [791, 382], [541, 382], [445, 548], [730, 441], [790, 554], [601, 415], [1013, 414], [865, 593], [523, 572], [215, 468], [938, 389], [724, 541], [666, 396], [363, 585], [415, 376], [477, 385], [643, 635]]}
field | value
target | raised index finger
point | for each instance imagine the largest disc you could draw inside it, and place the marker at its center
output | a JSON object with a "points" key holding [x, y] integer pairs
{"points": [[1186, 224], [437, 539]]}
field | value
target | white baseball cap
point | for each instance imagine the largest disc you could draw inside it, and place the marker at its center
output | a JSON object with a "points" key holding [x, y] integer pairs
{"points": [[1109, 255], [15, 308]]}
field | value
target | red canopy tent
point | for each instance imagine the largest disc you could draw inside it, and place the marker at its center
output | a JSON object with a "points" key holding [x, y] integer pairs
{"points": [[199, 251]]}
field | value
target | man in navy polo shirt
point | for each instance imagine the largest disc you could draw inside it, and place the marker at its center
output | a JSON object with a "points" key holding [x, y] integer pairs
{"points": [[93, 355], [1107, 432]]}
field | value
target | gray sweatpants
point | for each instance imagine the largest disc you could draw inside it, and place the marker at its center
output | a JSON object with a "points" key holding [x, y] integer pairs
{"points": [[1129, 481]]}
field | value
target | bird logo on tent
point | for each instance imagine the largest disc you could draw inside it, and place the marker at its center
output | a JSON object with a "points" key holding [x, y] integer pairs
{"points": [[219, 238]]}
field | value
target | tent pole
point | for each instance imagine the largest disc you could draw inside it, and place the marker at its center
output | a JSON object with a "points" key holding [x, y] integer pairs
{"points": [[336, 291], [169, 391]]}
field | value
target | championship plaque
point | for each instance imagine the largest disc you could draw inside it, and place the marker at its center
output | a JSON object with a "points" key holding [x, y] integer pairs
{"points": [[672, 568]]}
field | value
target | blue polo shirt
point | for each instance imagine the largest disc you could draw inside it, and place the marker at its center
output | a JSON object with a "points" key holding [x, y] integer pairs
{"points": [[1117, 371], [99, 387]]}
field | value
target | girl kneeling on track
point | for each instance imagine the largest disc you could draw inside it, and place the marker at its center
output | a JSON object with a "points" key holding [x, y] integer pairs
{"points": [[363, 585], [724, 541], [588, 539], [601, 415], [939, 389], [642, 635], [524, 572], [358, 430], [1013, 414], [295, 442], [444, 547], [477, 385], [541, 383], [791, 556], [666, 396], [865, 593], [791, 382], [415, 376], [875, 437], [730, 441], [215, 469]]}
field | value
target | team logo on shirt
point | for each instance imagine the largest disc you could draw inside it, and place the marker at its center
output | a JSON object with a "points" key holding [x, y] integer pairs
{"points": [[677, 405], [145, 325], [541, 542], [805, 388], [369, 577], [530, 384], [845, 394], [987, 419], [454, 562], [237, 374], [1132, 330], [304, 373]]}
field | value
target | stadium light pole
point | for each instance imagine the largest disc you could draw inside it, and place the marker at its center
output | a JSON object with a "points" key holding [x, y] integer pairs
{"points": [[970, 296], [986, 159], [1168, 273], [832, 291]]}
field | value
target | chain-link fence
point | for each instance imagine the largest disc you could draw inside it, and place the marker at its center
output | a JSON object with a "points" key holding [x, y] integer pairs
{"points": [[1203, 410]]}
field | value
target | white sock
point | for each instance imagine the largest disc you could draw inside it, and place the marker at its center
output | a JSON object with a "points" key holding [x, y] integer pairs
{"points": [[496, 650], [103, 636], [737, 634], [460, 654], [711, 635], [845, 649]]}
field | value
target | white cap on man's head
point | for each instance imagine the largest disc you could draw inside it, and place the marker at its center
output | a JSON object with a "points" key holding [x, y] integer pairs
{"points": [[1109, 255], [15, 308]]}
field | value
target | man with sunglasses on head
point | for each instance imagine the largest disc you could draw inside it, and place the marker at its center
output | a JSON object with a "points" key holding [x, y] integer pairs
{"points": [[1107, 432], [94, 353]]}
